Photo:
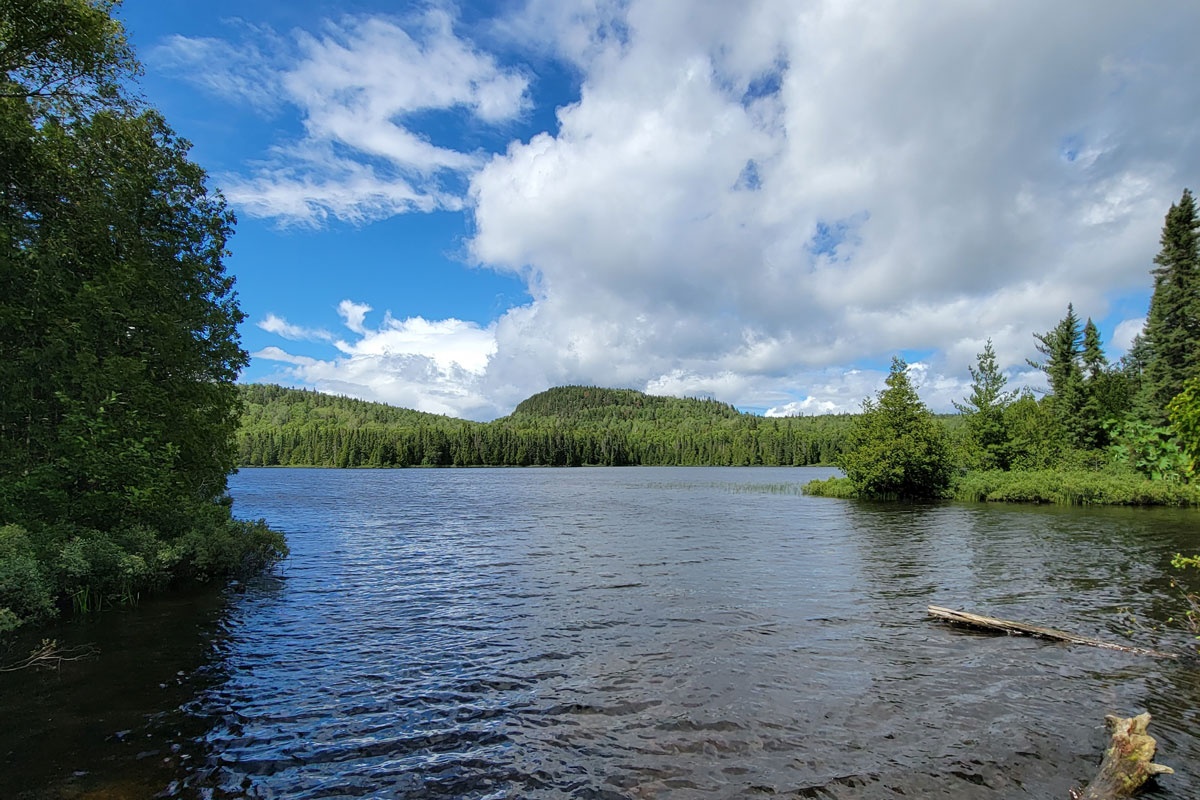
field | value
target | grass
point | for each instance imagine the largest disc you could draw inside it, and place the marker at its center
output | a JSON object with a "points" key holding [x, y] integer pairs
{"points": [[1057, 487], [1074, 488]]}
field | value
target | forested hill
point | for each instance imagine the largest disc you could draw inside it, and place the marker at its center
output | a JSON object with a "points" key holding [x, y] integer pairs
{"points": [[270, 406], [565, 426], [590, 404]]}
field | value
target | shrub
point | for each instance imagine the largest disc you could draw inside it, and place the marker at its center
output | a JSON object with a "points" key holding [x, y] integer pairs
{"points": [[896, 447], [25, 592]]}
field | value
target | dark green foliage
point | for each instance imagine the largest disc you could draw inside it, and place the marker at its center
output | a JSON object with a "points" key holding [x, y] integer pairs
{"points": [[1085, 394], [118, 324], [566, 426], [1094, 360], [1151, 451], [67, 54], [1062, 348], [895, 448], [1172, 330], [1036, 440], [1184, 413], [25, 589], [987, 430], [594, 404]]}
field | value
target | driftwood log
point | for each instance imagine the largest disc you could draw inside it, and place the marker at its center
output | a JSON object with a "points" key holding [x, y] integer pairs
{"points": [[1023, 629], [1128, 761]]}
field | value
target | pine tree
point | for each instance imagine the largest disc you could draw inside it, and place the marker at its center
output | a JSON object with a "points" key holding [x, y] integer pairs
{"points": [[1062, 347], [1104, 393], [1172, 331], [1094, 360], [984, 410]]}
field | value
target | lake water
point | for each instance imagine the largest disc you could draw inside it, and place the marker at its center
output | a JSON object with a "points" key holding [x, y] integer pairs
{"points": [[621, 633]]}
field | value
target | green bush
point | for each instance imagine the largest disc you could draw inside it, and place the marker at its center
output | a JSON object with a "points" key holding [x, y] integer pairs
{"points": [[25, 591], [896, 449], [86, 569], [227, 547]]}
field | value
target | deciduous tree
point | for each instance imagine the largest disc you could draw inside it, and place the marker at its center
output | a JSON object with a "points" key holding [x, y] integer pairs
{"points": [[118, 324]]}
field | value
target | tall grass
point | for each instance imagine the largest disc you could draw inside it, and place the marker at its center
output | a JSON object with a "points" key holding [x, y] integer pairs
{"points": [[1073, 488]]}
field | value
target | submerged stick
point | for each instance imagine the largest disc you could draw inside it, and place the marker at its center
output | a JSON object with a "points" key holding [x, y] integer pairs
{"points": [[1023, 629], [1128, 761]]}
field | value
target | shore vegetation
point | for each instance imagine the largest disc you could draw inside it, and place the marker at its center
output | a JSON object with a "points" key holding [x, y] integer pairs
{"points": [[118, 332]]}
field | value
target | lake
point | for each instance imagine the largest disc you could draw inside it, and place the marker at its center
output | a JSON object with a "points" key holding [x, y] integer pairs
{"points": [[621, 633]]}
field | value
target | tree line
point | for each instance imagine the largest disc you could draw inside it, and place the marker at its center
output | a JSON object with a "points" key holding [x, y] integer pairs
{"points": [[564, 426]]}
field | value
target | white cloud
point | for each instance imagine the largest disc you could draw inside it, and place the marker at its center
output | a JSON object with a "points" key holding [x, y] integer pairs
{"points": [[357, 85], [272, 323], [907, 189], [450, 344], [244, 72], [435, 366], [354, 315], [1124, 334], [747, 196]]}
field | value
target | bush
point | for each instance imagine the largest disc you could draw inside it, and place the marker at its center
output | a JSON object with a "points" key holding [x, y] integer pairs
{"points": [[896, 447], [228, 547], [25, 592]]}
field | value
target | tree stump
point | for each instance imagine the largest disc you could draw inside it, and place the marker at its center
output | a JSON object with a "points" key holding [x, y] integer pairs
{"points": [[1128, 761]]}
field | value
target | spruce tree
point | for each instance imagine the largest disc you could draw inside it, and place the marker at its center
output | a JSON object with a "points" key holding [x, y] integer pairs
{"points": [[1104, 393], [1062, 347], [1094, 360], [984, 411], [896, 449], [1172, 331]]}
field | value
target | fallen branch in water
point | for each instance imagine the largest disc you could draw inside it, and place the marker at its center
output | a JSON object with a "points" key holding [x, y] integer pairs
{"points": [[48, 655], [1023, 629], [1128, 761]]}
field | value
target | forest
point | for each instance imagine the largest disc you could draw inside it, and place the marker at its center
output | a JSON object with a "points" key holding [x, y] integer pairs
{"points": [[563, 427]]}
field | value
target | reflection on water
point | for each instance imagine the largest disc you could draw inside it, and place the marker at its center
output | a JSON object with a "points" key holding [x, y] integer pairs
{"points": [[626, 633]]}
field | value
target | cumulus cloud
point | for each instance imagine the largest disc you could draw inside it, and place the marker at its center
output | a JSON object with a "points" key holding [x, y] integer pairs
{"points": [[1124, 334], [435, 366], [357, 85], [745, 198], [770, 190]]}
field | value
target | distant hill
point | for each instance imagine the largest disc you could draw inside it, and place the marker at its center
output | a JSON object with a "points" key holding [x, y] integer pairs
{"points": [[594, 404], [564, 426]]}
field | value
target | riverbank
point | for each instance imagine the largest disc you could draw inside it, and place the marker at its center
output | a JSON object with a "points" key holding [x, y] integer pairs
{"points": [[1057, 487]]}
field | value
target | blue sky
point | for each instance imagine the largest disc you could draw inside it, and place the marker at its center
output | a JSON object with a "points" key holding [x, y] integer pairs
{"points": [[451, 206]]}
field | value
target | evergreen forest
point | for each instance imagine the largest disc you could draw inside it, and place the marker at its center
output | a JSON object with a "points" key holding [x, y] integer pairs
{"points": [[563, 427]]}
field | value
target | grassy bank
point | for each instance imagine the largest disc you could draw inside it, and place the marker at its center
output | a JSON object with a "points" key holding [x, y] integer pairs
{"points": [[1058, 487]]}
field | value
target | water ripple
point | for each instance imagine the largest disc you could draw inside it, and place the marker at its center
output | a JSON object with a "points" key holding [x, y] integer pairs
{"points": [[675, 634]]}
